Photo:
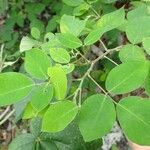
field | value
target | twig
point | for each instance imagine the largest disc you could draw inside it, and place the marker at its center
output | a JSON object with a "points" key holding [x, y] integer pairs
{"points": [[111, 60], [105, 48], [98, 85], [78, 53], [5, 112], [89, 71], [7, 116]]}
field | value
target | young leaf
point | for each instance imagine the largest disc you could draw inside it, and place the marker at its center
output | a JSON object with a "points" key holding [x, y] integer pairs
{"points": [[41, 97], [131, 53], [96, 117], [146, 44], [127, 77], [81, 9], [73, 2], [133, 115], [35, 32], [69, 40], [59, 81], [68, 68], [111, 20], [60, 55], [27, 44], [137, 29], [103, 25], [58, 116], [29, 112], [25, 141], [70, 24], [37, 63], [14, 87]]}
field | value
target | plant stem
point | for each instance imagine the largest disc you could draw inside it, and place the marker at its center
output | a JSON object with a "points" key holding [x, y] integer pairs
{"points": [[97, 85], [89, 71], [7, 116], [111, 60], [5, 112], [95, 12]]}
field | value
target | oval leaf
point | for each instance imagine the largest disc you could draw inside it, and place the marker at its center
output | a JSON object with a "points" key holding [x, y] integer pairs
{"points": [[58, 116], [111, 20], [138, 26], [35, 32], [27, 44], [23, 142], [60, 55], [96, 117], [133, 114], [37, 63], [93, 36], [131, 53], [69, 40], [146, 44], [73, 2], [41, 97], [59, 81], [127, 77], [14, 87], [70, 24]]}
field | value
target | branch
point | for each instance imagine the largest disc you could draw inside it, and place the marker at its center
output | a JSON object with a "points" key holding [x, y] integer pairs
{"points": [[7, 116], [87, 74], [5, 112]]}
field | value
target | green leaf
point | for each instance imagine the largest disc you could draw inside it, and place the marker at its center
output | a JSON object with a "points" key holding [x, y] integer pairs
{"points": [[59, 80], [52, 24], [68, 40], [133, 115], [47, 145], [127, 77], [93, 36], [68, 68], [92, 1], [23, 142], [35, 32], [72, 25], [147, 84], [103, 25], [3, 6], [111, 20], [142, 10], [108, 1], [146, 44], [35, 126], [14, 87], [27, 44], [58, 116], [29, 112], [52, 43], [37, 63], [73, 2], [81, 9], [60, 55], [137, 29], [131, 52], [41, 96], [37, 24], [96, 117]]}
